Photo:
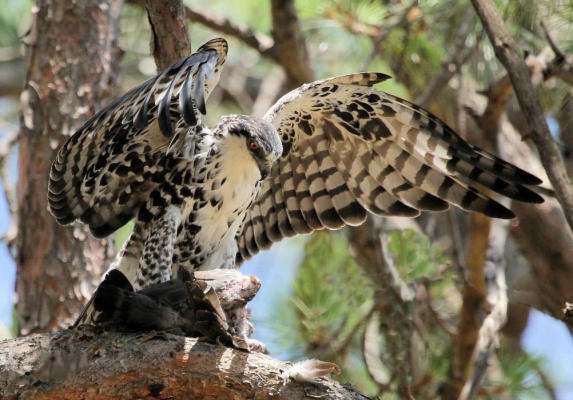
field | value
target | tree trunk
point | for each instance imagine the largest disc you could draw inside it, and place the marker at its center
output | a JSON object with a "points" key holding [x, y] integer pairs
{"points": [[72, 66]]}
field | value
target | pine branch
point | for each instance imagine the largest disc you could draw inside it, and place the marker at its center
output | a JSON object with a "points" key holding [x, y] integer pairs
{"points": [[507, 52]]}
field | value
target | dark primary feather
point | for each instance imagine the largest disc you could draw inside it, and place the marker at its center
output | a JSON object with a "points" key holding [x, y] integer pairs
{"points": [[104, 172], [349, 148], [187, 107]]}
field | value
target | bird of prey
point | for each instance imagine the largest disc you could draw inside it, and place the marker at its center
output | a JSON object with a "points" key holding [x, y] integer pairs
{"points": [[322, 157]]}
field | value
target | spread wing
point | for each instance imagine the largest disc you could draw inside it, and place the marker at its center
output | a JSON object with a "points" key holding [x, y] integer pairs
{"points": [[350, 149], [106, 170]]}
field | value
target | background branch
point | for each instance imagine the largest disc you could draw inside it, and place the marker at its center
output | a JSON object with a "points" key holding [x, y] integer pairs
{"points": [[509, 55], [256, 40], [290, 47]]}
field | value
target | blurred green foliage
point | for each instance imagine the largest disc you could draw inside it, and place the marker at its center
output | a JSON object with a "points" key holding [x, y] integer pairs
{"points": [[15, 17], [331, 298], [333, 301]]}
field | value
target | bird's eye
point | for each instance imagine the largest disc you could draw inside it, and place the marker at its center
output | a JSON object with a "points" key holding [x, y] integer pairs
{"points": [[254, 146]]}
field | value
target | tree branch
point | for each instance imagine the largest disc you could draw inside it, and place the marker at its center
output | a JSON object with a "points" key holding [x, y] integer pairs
{"points": [[287, 49], [508, 53], [541, 231], [488, 337], [473, 306], [91, 363], [258, 41], [169, 36], [562, 64], [289, 42]]}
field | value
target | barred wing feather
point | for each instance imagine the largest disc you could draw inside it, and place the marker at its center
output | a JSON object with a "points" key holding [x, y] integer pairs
{"points": [[351, 149], [107, 169]]}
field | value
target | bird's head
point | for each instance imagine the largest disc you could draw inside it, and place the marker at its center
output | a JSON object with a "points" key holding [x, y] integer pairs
{"points": [[258, 137]]}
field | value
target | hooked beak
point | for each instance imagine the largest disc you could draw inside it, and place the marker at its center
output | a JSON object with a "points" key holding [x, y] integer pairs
{"points": [[265, 169]]}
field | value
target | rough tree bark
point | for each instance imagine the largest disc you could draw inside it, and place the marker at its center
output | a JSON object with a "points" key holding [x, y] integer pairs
{"points": [[69, 77], [91, 364], [169, 35], [292, 51]]}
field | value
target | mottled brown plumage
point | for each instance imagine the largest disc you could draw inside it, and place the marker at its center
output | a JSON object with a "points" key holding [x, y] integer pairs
{"points": [[350, 148]]}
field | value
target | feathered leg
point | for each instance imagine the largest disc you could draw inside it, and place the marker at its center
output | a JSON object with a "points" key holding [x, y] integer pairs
{"points": [[157, 255], [146, 257]]}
